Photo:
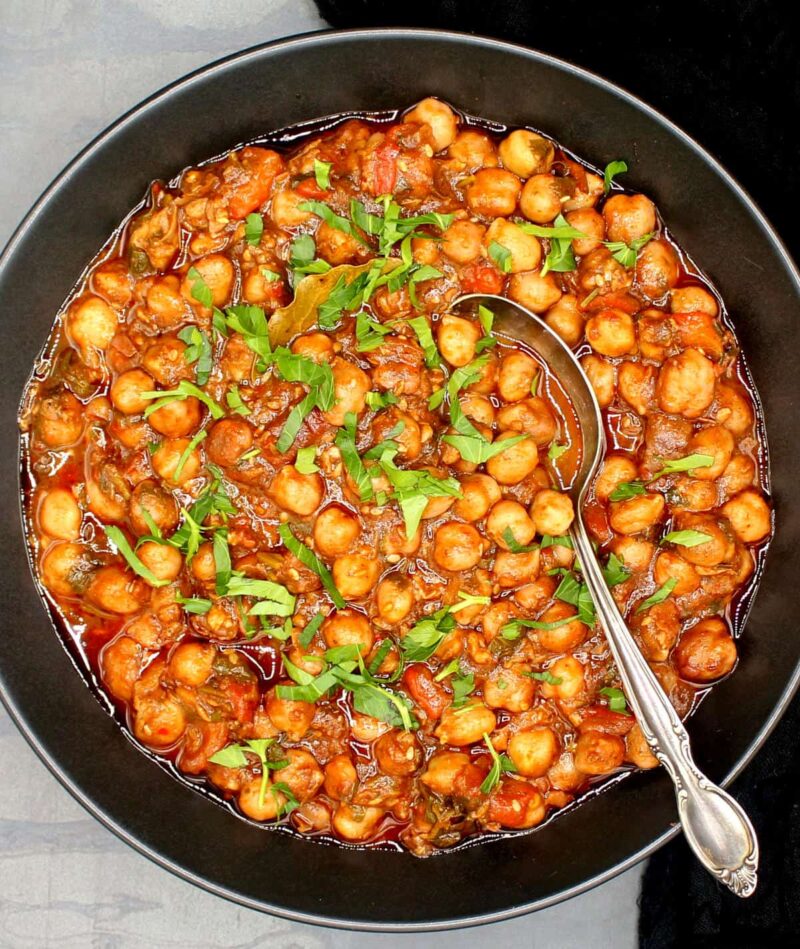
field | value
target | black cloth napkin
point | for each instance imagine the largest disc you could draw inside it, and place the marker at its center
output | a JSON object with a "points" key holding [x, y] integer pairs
{"points": [[729, 74]]}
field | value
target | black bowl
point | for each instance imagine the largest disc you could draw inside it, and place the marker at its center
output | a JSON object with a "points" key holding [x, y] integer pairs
{"points": [[234, 101]]}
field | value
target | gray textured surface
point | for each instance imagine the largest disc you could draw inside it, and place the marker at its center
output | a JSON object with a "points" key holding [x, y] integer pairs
{"points": [[67, 69]]}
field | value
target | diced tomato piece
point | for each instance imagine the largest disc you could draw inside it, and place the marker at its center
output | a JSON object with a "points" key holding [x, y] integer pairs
{"points": [[577, 173], [618, 300], [260, 165], [599, 718], [425, 691], [700, 331], [516, 804], [595, 517], [481, 278], [309, 188]]}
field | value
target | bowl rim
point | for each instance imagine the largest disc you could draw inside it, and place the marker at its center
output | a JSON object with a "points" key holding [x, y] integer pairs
{"points": [[326, 37]]}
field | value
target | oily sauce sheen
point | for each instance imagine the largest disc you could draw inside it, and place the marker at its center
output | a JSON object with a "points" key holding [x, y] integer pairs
{"points": [[227, 530]]}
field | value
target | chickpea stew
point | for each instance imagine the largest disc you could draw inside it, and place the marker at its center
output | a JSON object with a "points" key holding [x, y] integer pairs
{"points": [[306, 526]]}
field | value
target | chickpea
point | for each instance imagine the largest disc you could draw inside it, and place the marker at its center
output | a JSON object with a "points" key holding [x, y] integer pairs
{"points": [[317, 347], [165, 303], [493, 192], [365, 728], [335, 246], [355, 575], [473, 150], [509, 690], [534, 751], [749, 516], [691, 494], [517, 371], [611, 333], [204, 567], [543, 196], [159, 505], [457, 546], [444, 770], [348, 628], [629, 217], [739, 474], [218, 275], [565, 637], [295, 492], [116, 590], [487, 380], [336, 529], [302, 775], [616, 470], [439, 118], [353, 822], [552, 513], [193, 663], [706, 652], [598, 753], [526, 153], [566, 319], [634, 552], [228, 440], [509, 516], [457, 338], [601, 375], [590, 223], [164, 562], [92, 324], [177, 418], [59, 514], [59, 420], [112, 281], [394, 598], [657, 269], [341, 778], [532, 416], [686, 384], [166, 458], [572, 681], [107, 502], [159, 723], [717, 442], [289, 716], [466, 725], [586, 199], [525, 249], [398, 753], [258, 806], [693, 300], [512, 570], [720, 546], [601, 272], [637, 385], [637, 751], [478, 493], [462, 241], [671, 566], [734, 410], [479, 408], [126, 391], [121, 664], [166, 363], [285, 209], [637, 514], [533, 291], [515, 463], [351, 386]]}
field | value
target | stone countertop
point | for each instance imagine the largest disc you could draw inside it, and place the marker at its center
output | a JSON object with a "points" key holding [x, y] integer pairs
{"points": [[67, 69]]}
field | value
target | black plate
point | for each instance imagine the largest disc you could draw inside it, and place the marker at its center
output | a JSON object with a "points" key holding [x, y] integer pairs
{"points": [[232, 102]]}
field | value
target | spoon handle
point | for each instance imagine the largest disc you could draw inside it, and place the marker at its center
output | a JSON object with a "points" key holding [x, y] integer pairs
{"points": [[718, 830]]}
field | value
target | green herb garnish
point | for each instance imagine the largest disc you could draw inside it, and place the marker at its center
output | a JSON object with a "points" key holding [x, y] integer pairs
{"points": [[253, 229], [659, 596], [120, 541], [500, 765], [198, 349], [613, 168], [322, 173], [308, 558]]}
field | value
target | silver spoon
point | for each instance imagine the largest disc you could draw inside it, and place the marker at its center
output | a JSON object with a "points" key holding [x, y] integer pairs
{"points": [[717, 828]]}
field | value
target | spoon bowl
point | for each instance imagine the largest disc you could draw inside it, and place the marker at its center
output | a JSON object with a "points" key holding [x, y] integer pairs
{"points": [[717, 829]]}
